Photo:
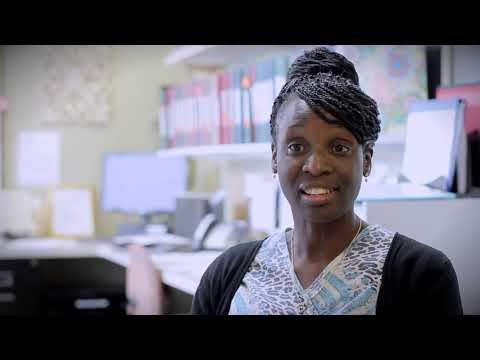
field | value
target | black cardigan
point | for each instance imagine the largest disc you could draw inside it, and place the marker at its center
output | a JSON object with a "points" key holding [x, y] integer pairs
{"points": [[417, 279]]}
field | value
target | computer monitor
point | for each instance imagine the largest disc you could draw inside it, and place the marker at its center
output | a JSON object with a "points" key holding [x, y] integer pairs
{"points": [[143, 183]]}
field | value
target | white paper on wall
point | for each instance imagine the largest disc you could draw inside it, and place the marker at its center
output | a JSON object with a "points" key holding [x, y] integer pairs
{"points": [[38, 162]]}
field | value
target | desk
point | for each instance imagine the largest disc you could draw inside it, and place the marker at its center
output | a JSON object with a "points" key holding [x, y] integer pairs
{"points": [[180, 270]]}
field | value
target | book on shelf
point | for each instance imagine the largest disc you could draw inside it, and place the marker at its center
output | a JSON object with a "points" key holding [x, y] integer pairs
{"points": [[237, 106], [202, 107], [246, 94], [263, 91], [222, 94], [162, 119], [215, 112]]}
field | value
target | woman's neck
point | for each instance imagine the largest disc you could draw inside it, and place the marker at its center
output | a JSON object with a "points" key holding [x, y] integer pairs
{"points": [[315, 242]]}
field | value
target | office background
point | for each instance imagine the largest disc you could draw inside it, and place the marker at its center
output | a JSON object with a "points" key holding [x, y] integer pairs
{"points": [[137, 73]]}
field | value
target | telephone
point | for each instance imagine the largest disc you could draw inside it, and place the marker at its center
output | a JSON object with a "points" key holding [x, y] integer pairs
{"points": [[202, 230], [213, 235]]}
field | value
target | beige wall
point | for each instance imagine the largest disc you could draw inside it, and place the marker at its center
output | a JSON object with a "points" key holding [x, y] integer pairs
{"points": [[137, 75]]}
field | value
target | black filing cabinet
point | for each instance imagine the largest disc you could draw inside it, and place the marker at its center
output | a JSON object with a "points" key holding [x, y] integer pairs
{"points": [[74, 286], [19, 287]]}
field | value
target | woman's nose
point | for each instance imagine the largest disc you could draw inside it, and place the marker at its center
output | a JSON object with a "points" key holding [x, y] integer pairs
{"points": [[316, 165]]}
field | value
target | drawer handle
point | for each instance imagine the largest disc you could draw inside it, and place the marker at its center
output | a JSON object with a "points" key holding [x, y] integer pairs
{"points": [[7, 297], [6, 279], [83, 304]]}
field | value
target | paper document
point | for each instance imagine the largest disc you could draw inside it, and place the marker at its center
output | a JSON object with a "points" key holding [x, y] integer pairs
{"points": [[72, 212], [431, 144], [38, 159]]}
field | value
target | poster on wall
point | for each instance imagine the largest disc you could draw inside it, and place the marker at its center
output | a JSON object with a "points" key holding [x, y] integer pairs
{"points": [[38, 164], [77, 84], [394, 76]]}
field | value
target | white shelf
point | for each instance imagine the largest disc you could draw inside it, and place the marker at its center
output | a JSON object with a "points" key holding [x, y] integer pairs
{"points": [[224, 55], [182, 53], [256, 149], [260, 149]]}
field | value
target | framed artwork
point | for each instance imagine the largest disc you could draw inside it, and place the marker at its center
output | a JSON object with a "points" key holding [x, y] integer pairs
{"points": [[71, 212], [77, 84]]}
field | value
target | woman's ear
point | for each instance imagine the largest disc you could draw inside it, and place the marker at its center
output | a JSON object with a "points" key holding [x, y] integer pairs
{"points": [[367, 159], [274, 158]]}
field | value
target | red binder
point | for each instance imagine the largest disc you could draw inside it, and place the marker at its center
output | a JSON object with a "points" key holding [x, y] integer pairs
{"points": [[471, 94]]}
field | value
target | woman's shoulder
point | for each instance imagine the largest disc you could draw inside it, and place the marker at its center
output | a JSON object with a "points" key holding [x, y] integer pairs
{"points": [[418, 278], [412, 260], [407, 250], [235, 256], [240, 256]]}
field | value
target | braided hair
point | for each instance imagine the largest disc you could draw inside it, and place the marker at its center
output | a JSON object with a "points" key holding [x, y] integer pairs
{"points": [[329, 84]]}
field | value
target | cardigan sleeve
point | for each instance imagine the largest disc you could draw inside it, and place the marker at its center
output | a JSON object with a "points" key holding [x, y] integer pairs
{"points": [[418, 279], [204, 301], [222, 278], [439, 290]]}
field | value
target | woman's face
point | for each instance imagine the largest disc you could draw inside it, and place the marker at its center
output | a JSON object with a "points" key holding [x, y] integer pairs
{"points": [[319, 165]]}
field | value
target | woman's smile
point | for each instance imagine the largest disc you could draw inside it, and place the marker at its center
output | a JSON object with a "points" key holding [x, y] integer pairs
{"points": [[313, 195]]}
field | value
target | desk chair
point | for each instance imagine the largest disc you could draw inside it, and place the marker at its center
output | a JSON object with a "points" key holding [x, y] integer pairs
{"points": [[144, 288]]}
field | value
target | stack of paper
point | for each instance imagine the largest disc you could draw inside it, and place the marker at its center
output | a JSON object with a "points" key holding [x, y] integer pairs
{"points": [[433, 144]]}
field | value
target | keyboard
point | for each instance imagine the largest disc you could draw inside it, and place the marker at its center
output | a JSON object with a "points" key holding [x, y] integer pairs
{"points": [[152, 239]]}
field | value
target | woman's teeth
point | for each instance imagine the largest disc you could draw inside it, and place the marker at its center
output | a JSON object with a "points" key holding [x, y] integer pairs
{"points": [[317, 191]]}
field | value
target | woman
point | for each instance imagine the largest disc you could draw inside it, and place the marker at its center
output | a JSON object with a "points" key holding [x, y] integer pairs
{"points": [[323, 130]]}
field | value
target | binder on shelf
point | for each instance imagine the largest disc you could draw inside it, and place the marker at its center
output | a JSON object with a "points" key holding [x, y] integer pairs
{"points": [[196, 94], [229, 129], [183, 113], [237, 106], [246, 83], [168, 91], [222, 90], [280, 73], [433, 144], [263, 90], [177, 120], [214, 110], [202, 110], [471, 94], [191, 117], [162, 120]]}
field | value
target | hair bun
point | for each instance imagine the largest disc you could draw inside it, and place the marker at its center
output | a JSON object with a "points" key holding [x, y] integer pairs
{"points": [[322, 60]]}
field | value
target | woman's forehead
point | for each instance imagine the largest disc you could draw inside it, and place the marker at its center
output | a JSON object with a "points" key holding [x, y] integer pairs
{"points": [[298, 113], [295, 108]]}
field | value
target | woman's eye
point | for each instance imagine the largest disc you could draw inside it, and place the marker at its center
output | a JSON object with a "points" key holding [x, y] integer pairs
{"points": [[341, 148], [295, 147]]}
